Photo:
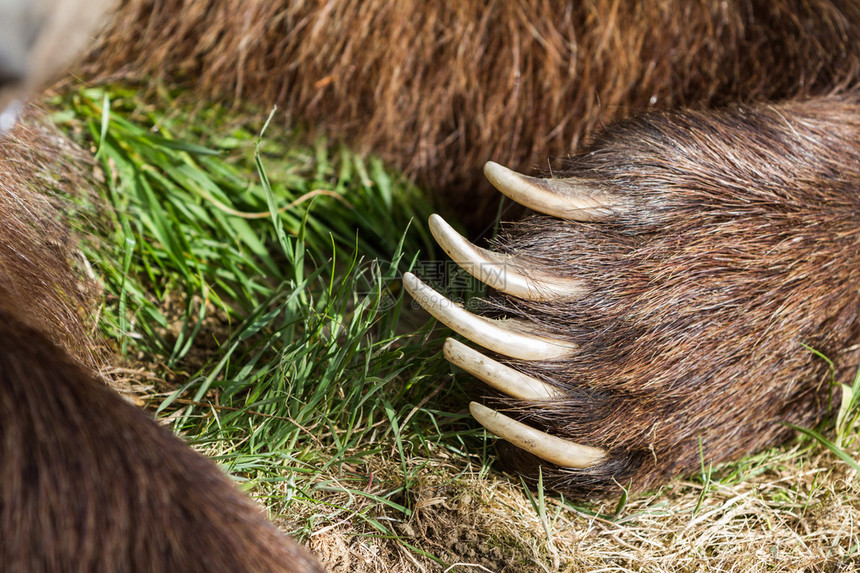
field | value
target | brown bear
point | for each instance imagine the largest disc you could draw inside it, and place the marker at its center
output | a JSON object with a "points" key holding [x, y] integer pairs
{"points": [[662, 307]]}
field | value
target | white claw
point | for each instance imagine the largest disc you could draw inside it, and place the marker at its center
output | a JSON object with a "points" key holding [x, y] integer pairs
{"points": [[502, 336], [563, 198], [555, 450], [502, 378], [500, 271]]}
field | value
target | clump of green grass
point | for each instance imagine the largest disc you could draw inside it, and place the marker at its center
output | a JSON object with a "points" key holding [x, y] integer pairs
{"points": [[225, 224], [263, 279]]}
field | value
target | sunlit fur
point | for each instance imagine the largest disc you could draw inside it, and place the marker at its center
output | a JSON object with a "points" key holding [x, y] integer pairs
{"points": [[440, 88], [735, 253]]}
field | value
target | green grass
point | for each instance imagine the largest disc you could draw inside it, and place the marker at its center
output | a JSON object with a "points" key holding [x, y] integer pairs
{"points": [[262, 279]]}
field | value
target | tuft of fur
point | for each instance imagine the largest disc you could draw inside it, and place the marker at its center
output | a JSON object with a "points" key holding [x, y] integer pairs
{"points": [[440, 89], [733, 251]]}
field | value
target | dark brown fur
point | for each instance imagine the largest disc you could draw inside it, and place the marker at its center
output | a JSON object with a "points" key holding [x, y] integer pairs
{"points": [[735, 243], [438, 89], [91, 483]]}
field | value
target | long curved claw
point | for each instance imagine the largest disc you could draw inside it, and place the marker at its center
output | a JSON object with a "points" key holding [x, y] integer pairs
{"points": [[555, 450], [503, 378], [501, 271], [500, 336], [562, 198]]}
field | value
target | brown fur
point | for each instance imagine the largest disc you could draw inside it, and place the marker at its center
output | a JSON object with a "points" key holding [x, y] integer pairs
{"points": [[438, 89], [91, 483], [38, 250], [735, 243]]}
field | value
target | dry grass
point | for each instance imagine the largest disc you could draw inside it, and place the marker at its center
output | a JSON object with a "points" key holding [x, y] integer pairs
{"points": [[794, 510]]}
